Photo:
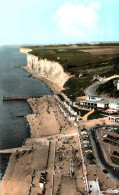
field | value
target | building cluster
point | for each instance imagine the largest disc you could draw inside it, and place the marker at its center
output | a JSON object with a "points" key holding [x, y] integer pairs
{"points": [[71, 111], [66, 98], [66, 109], [95, 102]]}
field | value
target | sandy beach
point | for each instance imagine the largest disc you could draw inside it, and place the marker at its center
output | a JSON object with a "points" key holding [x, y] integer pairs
{"points": [[18, 178], [46, 123], [53, 144], [48, 126], [47, 119]]}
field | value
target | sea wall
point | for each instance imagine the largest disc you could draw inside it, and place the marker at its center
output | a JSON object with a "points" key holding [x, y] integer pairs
{"points": [[51, 70]]}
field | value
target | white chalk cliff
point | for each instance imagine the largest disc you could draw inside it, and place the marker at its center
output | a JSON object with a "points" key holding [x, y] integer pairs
{"points": [[51, 70]]}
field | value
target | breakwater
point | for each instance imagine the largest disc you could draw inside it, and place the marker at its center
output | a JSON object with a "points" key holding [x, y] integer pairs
{"points": [[17, 98], [14, 98]]}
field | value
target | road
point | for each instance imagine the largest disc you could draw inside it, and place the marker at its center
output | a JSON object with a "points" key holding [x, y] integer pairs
{"points": [[90, 91], [114, 171]]}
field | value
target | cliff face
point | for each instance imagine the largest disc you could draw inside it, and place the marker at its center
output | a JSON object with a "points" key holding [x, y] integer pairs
{"points": [[25, 50], [52, 71]]}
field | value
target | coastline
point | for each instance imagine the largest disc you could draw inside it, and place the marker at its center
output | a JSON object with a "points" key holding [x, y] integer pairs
{"points": [[46, 123], [53, 86], [56, 89]]}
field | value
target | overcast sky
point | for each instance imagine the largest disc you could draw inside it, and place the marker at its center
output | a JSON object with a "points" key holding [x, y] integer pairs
{"points": [[58, 21]]}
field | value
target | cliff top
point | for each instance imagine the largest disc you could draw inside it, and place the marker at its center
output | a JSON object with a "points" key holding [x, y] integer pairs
{"points": [[82, 61], [75, 58]]}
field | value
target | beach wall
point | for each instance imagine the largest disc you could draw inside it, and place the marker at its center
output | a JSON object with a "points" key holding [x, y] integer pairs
{"points": [[51, 70]]}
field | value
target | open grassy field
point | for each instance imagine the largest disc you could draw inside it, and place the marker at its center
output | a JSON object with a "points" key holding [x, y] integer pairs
{"points": [[75, 61]]}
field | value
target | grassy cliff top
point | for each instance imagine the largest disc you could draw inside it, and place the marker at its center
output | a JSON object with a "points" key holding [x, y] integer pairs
{"points": [[73, 59], [77, 62]]}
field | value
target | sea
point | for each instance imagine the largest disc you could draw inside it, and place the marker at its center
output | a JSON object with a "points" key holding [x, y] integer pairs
{"points": [[15, 82]]}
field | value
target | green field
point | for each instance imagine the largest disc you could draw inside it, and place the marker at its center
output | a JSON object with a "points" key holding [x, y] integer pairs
{"points": [[75, 62]]}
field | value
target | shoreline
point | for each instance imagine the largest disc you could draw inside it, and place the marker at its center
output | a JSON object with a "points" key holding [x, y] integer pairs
{"points": [[56, 89], [52, 123], [46, 123]]}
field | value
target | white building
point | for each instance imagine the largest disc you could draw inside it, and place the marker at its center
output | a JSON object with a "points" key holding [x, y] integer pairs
{"points": [[94, 104], [114, 117], [94, 98], [83, 132], [118, 85], [94, 187], [41, 185], [114, 105]]}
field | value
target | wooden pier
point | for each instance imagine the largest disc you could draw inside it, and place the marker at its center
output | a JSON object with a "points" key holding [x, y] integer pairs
{"points": [[15, 98], [18, 98]]}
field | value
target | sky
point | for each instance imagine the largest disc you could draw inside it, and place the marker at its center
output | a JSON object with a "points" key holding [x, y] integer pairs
{"points": [[58, 22]]}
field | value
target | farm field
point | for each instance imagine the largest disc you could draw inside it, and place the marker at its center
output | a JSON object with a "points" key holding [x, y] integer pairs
{"points": [[102, 51]]}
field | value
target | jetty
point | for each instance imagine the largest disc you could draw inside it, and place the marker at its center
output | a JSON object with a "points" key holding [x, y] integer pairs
{"points": [[12, 150], [15, 98], [28, 144], [19, 98]]}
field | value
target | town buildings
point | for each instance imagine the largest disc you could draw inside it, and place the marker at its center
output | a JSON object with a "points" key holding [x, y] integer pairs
{"points": [[95, 102]]}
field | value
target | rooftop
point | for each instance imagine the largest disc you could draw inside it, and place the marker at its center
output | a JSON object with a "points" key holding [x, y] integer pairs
{"points": [[103, 101], [94, 187]]}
